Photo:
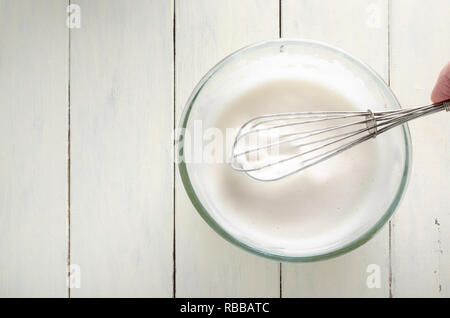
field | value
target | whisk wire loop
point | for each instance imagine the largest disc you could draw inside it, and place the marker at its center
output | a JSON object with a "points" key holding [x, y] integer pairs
{"points": [[273, 146]]}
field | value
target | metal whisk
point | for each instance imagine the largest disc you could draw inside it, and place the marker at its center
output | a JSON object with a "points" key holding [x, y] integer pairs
{"points": [[272, 147]]}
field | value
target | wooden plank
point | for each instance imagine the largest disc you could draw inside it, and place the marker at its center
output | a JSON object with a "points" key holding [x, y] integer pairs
{"points": [[206, 265], [121, 153], [360, 28], [421, 231], [33, 148]]}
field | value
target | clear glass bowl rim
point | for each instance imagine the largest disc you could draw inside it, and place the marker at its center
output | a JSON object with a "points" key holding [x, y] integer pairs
{"points": [[274, 256]]}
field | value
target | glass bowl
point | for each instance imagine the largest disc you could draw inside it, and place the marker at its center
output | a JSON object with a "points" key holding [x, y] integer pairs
{"points": [[325, 63]]}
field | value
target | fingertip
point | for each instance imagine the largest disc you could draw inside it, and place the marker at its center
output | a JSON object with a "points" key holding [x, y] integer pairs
{"points": [[441, 90]]}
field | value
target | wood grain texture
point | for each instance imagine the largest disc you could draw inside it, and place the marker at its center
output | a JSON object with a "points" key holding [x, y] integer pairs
{"points": [[360, 28], [33, 148], [421, 231], [121, 181], [121, 149], [206, 265]]}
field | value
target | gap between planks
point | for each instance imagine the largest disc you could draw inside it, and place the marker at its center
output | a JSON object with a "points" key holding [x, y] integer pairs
{"points": [[280, 36], [68, 160], [174, 278]]}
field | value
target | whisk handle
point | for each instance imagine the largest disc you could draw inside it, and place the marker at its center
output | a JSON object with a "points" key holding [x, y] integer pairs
{"points": [[446, 104]]}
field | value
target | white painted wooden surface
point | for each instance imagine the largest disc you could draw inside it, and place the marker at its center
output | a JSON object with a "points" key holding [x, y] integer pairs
{"points": [[360, 28], [33, 148], [121, 153], [207, 265], [420, 47], [123, 83]]}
